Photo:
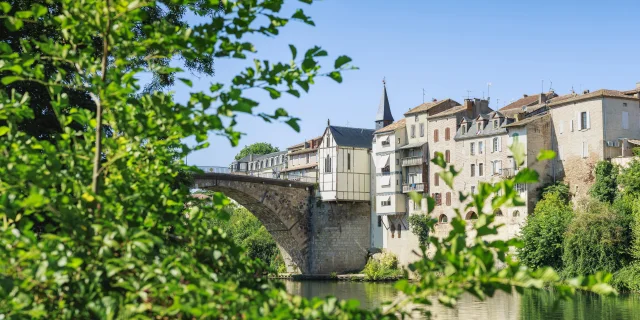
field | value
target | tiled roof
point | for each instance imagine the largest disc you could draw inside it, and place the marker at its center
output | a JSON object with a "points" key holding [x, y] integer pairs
{"points": [[526, 121], [306, 166], [449, 112], [392, 127], [595, 94], [352, 137], [527, 101], [426, 106], [302, 143], [632, 91]]}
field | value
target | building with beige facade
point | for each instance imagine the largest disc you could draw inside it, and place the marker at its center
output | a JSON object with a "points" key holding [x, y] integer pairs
{"points": [[303, 161]]}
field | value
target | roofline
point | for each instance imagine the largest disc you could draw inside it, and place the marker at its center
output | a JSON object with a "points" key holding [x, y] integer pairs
{"points": [[581, 98], [437, 103]]}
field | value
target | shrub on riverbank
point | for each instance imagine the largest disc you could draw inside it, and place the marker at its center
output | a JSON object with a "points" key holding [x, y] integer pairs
{"points": [[382, 266]]}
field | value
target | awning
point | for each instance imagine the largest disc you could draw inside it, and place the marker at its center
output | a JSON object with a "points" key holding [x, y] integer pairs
{"points": [[413, 145], [385, 180], [383, 161]]}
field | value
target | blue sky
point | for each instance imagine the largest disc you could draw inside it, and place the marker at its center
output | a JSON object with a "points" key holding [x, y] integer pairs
{"points": [[445, 47]]}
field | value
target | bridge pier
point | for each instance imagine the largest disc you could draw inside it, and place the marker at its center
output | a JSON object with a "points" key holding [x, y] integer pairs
{"points": [[314, 237]]}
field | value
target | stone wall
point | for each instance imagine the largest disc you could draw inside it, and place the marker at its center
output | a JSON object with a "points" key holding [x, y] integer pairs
{"points": [[340, 236]]}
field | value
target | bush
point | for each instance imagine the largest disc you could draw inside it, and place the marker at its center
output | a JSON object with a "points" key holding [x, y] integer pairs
{"points": [[559, 188], [382, 266], [627, 278], [597, 239], [543, 234], [606, 187], [629, 177]]}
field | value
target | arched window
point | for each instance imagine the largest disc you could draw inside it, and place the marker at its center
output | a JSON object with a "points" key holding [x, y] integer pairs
{"points": [[399, 231], [327, 164], [497, 213], [471, 215], [435, 135], [443, 219], [393, 230], [516, 214], [447, 134], [328, 142]]}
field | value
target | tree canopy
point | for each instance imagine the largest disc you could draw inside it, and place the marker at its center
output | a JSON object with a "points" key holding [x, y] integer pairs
{"points": [[258, 148]]}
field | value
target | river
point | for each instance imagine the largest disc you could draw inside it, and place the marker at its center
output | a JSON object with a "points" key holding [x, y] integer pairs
{"points": [[531, 305]]}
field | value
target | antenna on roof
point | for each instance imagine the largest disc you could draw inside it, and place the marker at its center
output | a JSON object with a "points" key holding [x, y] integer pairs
{"points": [[550, 85], [488, 90], [423, 93], [468, 94], [572, 91]]}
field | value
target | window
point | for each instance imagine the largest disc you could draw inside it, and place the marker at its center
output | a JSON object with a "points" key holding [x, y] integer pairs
{"points": [[422, 129], [520, 187], [480, 147], [386, 168], [496, 123], [473, 189], [348, 161], [435, 135], [497, 213], [496, 144], [561, 127], [480, 169], [464, 128], [443, 218], [397, 161], [379, 221], [328, 142], [447, 156], [585, 149], [393, 230], [516, 214], [327, 164], [307, 158], [584, 120], [447, 134], [413, 131], [625, 120], [471, 216], [624, 104], [385, 203], [415, 118], [448, 198], [472, 148], [436, 180], [438, 199], [399, 231], [473, 170], [398, 140]]}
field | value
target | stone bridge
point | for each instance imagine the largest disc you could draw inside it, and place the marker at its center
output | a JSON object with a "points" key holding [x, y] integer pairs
{"points": [[314, 237]]}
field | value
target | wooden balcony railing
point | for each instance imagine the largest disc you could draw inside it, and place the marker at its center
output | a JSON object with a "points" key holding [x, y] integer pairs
{"points": [[413, 161], [418, 187]]}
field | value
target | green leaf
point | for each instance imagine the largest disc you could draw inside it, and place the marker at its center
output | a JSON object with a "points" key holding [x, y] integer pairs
{"points": [[335, 75], [186, 81], [294, 51], [275, 94], [546, 155], [304, 84], [342, 60], [6, 7], [518, 152], [4, 130], [293, 123], [438, 160], [10, 79], [299, 15], [39, 10], [526, 175]]}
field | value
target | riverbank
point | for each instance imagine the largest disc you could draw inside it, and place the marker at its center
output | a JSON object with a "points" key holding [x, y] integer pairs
{"points": [[356, 277]]}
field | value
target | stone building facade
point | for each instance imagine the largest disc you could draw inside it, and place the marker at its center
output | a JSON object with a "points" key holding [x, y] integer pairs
{"points": [[303, 161]]}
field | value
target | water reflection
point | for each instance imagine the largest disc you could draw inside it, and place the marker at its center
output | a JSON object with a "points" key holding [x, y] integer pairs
{"points": [[534, 305]]}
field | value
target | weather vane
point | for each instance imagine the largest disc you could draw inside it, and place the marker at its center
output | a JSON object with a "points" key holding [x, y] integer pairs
{"points": [[383, 80]]}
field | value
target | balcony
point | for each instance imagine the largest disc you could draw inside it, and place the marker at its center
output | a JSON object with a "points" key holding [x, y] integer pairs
{"points": [[386, 143], [413, 161], [418, 187], [508, 173]]}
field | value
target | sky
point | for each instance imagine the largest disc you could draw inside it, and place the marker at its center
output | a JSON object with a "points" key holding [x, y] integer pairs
{"points": [[451, 49]]}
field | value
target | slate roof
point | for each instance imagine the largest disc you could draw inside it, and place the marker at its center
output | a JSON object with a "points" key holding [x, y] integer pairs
{"points": [[244, 159], [428, 105], [526, 121], [269, 155], [487, 127], [384, 110], [392, 127], [352, 137]]}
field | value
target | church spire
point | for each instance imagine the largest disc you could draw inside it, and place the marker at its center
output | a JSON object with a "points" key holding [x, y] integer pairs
{"points": [[384, 117]]}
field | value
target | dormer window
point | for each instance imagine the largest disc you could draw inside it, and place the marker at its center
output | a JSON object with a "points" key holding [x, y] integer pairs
{"points": [[496, 123], [416, 118], [464, 128], [479, 126]]}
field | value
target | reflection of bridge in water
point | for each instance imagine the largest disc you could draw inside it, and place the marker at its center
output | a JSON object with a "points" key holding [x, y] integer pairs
{"points": [[314, 237]]}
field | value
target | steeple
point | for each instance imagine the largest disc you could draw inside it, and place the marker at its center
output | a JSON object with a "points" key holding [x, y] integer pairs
{"points": [[384, 117]]}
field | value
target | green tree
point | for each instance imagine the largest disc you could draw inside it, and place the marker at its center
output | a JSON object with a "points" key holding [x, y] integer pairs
{"points": [[606, 187], [560, 189], [257, 148], [597, 239], [543, 234], [629, 177]]}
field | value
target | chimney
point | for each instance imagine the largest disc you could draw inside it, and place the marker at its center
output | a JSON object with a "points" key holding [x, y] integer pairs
{"points": [[525, 95], [251, 157], [468, 105], [434, 100], [328, 123], [542, 98], [585, 92]]}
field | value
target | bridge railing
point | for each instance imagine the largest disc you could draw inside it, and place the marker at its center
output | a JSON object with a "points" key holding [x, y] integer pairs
{"points": [[214, 169], [270, 175]]}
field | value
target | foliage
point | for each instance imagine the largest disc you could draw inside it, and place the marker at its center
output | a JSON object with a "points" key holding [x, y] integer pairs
{"points": [[420, 226], [597, 239], [383, 266], [628, 278], [257, 148], [605, 187], [559, 188], [629, 178], [543, 234], [92, 226], [636, 151]]}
